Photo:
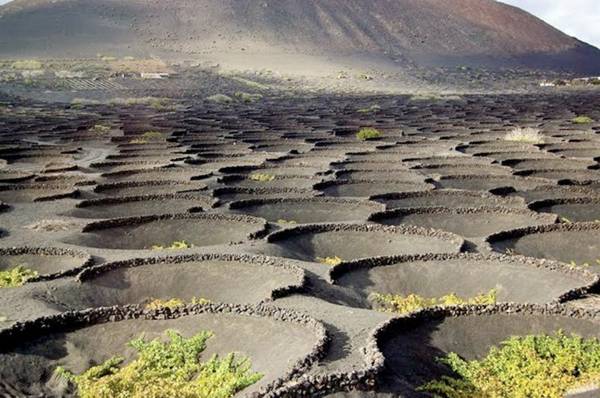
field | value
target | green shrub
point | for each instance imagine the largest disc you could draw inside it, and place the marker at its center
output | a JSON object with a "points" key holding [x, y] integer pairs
{"points": [[368, 133], [539, 366], [27, 64], [220, 99], [582, 120], [172, 303], [262, 177], [333, 261], [176, 245], [16, 276], [288, 222], [372, 108], [526, 135], [99, 129], [247, 97], [166, 369], [155, 136], [413, 302]]}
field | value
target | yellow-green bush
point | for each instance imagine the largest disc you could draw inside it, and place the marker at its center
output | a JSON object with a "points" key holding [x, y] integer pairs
{"points": [[16, 276], [368, 133], [172, 303], [164, 370], [413, 302], [582, 120], [262, 177], [176, 245], [532, 366], [27, 64], [333, 261]]}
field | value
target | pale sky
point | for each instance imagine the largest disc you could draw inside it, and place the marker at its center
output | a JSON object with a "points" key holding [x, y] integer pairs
{"points": [[579, 18]]}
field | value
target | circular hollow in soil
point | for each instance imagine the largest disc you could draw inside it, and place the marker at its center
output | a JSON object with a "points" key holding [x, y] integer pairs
{"points": [[411, 345], [449, 198], [49, 262], [577, 243], [467, 222], [222, 278], [142, 233], [156, 187], [276, 341], [466, 275], [36, 193], [358, 241], [307, 210], [139, 206], [365, 189], [488, 183], [574, 209]]}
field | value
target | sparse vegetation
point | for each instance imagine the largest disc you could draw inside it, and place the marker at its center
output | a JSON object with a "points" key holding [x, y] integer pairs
{"points": [[99, 129], [176, 245], [371, 109], [166, 369], [368, 133], [172, 303], [27, 64], [16, 276], [574, 264], [220, 99], [413, 302], [582, 120], [527, 135], [247, 97], [288, 222], [535, 366], [333, 261], [155, 136], [262, 177]]}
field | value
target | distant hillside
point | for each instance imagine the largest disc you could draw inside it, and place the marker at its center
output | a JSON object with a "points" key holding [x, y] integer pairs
{"points": [[430, 32]]}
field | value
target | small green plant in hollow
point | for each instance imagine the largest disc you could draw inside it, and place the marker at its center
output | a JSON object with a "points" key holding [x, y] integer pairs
{"points": [[172, 303], [99, 129], [372, 108], [368, 133], [535, 366], [333, 261], [288, 222], [582, 120], [176, 245], [166, 369], [406, 304], [262, 177], [16, 276], [526, 135]]}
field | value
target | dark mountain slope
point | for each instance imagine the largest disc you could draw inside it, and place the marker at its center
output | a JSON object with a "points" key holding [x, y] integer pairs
{"points": [[435, 32]]}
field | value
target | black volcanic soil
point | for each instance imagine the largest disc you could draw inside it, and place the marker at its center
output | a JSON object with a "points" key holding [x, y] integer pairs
{"points": [[263, 194]]}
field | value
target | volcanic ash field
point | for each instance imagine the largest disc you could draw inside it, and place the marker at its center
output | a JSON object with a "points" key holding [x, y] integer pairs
{"points": [[291, 233]]}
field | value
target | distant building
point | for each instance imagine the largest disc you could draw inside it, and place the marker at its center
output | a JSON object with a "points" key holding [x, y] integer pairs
{"points": [[547, 84]]}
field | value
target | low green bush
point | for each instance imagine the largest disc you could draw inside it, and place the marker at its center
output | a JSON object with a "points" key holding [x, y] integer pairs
{"points": [[582, 120], [406, 304], [16, 276], [535, 366], [166, 369], [262, 177], [176, 245], [368, 133]]}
